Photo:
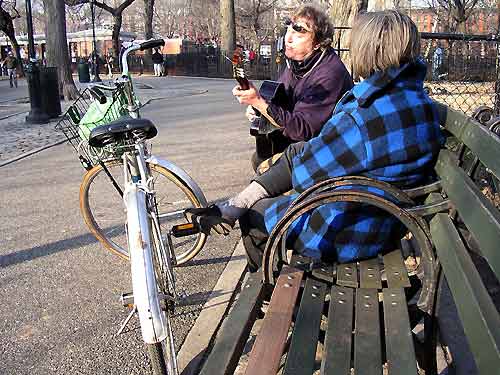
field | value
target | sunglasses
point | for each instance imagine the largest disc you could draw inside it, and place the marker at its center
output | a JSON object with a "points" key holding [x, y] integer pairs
{"points": [[297, 27]]}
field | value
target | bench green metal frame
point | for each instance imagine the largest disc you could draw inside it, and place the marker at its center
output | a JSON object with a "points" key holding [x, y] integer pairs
{"points": [[358, 313]]}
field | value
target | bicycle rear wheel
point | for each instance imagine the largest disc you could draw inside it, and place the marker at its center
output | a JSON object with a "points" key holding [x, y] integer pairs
{"points": [[103, 210], [157, 359]]}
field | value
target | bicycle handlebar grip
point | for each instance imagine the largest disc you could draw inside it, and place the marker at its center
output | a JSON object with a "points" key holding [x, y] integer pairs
{"points": [[98, 95], [151, 44]]}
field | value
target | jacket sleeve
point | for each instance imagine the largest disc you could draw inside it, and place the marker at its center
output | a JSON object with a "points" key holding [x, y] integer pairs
{"points": [[339, 150], [314, 105]]}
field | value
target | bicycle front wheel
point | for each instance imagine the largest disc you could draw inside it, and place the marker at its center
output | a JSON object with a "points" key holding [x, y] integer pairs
{"points": [[103, 210]]}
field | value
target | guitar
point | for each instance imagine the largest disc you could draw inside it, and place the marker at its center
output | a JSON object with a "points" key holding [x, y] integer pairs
{"points": [[271, 91]]}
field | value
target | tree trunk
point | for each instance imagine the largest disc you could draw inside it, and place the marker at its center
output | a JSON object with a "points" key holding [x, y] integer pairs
{"points": [[148, 18], [228, 25], [148, 21], [117, 25], [57, 47], [342, 14]]}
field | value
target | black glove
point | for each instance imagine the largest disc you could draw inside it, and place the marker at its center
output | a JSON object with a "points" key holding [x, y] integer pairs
{"points": [[208, 219]]}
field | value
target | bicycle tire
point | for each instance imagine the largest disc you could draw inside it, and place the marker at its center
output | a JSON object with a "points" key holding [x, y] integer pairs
{"points": [[163, 354], [157, 359], [107, 225]]}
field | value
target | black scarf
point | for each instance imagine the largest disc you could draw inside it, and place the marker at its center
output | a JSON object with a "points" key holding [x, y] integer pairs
{"points": [[300, 68]]}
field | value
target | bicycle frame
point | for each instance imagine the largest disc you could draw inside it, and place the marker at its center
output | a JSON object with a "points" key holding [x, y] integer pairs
{"points": [[140, 232]]}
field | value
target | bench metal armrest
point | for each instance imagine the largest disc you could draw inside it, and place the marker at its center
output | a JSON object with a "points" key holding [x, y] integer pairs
{"points": [[275, 250]]}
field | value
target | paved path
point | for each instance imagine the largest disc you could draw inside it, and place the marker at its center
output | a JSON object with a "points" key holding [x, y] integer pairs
{"points": [[18, 137], [59, 289]]}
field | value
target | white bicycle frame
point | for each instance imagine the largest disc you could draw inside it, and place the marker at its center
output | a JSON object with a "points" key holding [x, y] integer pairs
{"points": [[140, 242], [142, 228]]}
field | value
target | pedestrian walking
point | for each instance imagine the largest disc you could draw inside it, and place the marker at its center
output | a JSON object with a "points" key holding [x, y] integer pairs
{"points": [[157, 58], [110, 60], [11, 64]]}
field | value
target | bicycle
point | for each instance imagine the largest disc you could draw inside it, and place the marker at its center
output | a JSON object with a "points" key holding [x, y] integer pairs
{"points": [[107, 143]]}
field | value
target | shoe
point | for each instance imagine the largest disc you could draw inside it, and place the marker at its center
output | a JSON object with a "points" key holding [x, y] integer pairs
{"points": [[209, 219]]}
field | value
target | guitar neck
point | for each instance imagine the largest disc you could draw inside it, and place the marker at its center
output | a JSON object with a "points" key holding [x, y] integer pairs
{"points": [[243, 82]]}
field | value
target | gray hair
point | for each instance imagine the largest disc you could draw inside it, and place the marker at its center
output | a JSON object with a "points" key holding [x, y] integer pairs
{"points": [[381, 40]]}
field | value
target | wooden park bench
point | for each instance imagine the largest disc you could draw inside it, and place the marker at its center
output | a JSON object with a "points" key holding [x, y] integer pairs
{"points": [[361, 317]]}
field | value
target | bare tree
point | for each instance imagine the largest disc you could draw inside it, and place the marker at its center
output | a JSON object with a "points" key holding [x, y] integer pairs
{"points": [[57, 47], [453, 13], [257, 17], [116, 13], [228, 25], [8, 13], [342, 13]]}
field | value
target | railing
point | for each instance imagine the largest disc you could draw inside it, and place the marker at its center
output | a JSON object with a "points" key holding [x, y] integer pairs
{"points": [[205, 63]]}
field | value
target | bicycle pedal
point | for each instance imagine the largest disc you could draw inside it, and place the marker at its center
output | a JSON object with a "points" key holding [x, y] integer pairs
{"points": [[127, 299]]}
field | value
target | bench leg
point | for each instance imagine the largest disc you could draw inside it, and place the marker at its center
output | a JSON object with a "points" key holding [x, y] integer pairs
{"points": [[431, 328]]}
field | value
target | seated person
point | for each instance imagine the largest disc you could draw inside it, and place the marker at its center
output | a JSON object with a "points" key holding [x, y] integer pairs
{"points": [[314, 79], [385, 128]]}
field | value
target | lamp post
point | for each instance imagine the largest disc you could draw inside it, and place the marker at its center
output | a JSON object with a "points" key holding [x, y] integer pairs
{"points": [[36, 114], [95, 62]]}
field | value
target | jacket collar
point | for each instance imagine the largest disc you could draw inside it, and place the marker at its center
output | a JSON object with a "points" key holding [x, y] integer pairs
{"points": [[414, 71]]}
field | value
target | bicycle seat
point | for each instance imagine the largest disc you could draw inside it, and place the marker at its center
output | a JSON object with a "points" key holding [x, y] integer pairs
{"points": [[121, 129]]}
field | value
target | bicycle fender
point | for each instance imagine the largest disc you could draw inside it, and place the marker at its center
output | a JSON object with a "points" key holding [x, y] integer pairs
{"points": [[145, 290], [182, 175]]}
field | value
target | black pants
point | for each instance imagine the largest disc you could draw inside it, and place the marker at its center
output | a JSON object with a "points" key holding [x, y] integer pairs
{"points": [[267, 145], [277, 180]]}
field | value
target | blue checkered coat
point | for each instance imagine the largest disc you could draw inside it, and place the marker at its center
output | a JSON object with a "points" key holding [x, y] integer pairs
{"points": [[385, 128]]}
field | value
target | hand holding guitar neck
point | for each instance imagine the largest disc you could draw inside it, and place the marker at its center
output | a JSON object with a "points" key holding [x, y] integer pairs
{"points": [[239, 70], [270, 92]]}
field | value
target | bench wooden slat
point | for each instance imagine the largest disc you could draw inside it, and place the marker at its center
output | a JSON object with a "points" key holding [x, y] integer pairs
{"points": [[480, 216], [482, 142], [325, 272], [477, 312], [395, 270], [268, 347], [235, 330], [401, 358], [302, 353], [338, 340], [367, 343], [433, 198], [300, 262], [369, 274], [347, 275]]}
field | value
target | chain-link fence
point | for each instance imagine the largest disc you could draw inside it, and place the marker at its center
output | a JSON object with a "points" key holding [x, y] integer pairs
{"points": [[463, 70]]}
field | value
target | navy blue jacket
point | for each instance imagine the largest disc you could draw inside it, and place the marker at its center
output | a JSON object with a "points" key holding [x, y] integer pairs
{"points": [[312, 98]]}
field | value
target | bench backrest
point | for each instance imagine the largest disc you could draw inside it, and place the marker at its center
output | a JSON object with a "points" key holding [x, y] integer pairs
{"points": [[476, 309]]}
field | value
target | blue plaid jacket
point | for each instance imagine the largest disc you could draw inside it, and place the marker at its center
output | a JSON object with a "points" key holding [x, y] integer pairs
{"points": [[385, 128]]}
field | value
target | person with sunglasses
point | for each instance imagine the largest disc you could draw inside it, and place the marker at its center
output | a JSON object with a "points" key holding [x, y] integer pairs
{"points": [[314, 79], [385, 128]]}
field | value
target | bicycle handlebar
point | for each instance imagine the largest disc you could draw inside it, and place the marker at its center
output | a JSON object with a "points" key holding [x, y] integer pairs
{"points": [[98, 94], [134, 47], [153, 43]]}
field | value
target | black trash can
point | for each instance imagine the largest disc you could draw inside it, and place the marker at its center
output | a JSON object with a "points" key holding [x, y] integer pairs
{"points": [[83, 72], [51, 98]]}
